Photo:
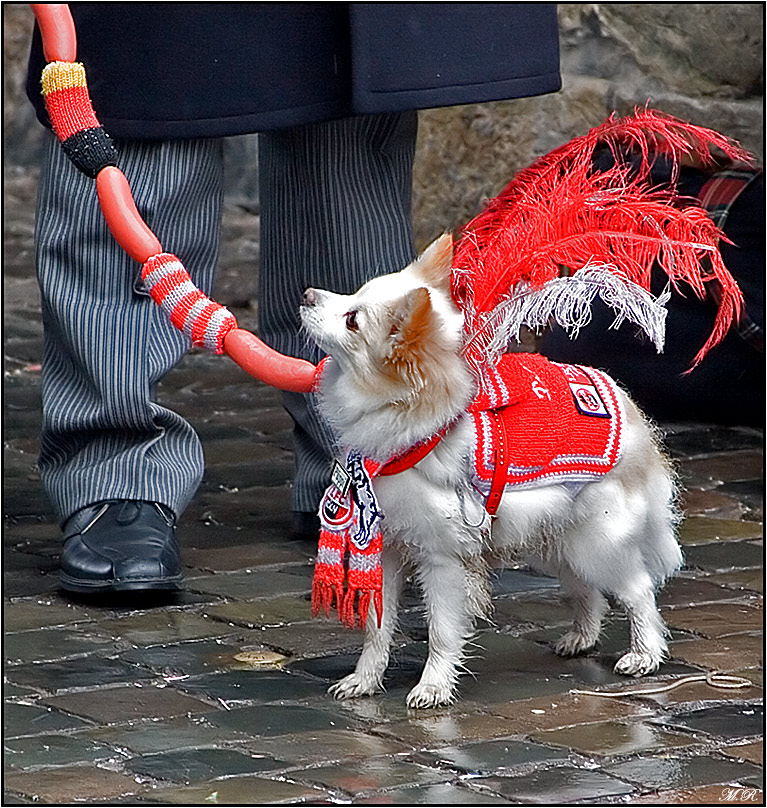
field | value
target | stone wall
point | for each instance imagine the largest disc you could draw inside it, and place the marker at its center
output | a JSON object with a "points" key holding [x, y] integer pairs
{"points": [[21, 132], [700, 61]]}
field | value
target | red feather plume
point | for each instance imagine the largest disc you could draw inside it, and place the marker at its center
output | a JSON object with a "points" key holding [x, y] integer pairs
{"points": [[563, 212]]}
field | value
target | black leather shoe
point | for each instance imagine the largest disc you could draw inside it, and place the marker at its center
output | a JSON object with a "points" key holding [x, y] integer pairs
{"points": [[120, 545]]}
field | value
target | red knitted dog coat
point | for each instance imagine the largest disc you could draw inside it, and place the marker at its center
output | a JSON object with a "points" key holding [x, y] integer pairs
{"points": [[537, 423]]}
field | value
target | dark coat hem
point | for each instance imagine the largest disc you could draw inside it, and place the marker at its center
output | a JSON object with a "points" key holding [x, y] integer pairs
{"points": [[369, 101], [122, 128], [365, 102]]}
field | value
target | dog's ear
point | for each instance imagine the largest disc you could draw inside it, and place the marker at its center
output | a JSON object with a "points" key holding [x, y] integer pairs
{"points": [[435, 263], [413, 317]]}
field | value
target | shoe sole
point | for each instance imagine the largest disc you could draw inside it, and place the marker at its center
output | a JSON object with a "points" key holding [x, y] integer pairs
{"points": [[82, 586]]}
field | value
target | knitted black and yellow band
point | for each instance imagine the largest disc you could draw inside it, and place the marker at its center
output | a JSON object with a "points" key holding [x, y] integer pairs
{"points": [[69, 107]]}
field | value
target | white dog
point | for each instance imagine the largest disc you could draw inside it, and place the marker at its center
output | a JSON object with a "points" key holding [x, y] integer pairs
{"points": [[396, 377]]}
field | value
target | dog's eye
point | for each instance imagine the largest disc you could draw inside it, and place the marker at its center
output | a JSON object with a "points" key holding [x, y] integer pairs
{"points": [[351, 320]]}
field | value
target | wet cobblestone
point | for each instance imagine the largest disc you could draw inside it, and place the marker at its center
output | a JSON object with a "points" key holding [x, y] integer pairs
{"points": [[143, 702]]}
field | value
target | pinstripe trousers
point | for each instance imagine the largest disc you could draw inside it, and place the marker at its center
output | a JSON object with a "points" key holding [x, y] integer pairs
{"points": [[335, 211]]}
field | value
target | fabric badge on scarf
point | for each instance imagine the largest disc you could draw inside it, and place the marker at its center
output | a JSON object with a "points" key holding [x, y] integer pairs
{"points": [[349, 552]]}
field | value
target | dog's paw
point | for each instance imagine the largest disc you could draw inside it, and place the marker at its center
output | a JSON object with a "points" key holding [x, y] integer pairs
{"points": [[633, 664], [353, 686], [424, 696], [573, 643]]}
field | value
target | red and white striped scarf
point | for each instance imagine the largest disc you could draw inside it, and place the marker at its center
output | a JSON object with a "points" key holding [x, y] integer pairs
{"points": [[348, 561]]}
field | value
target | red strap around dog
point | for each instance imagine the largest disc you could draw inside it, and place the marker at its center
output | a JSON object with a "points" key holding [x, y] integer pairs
{"points": [[501, 454], [409, 458]]}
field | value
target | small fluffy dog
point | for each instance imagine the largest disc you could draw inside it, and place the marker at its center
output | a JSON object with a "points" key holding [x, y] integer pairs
{"points": [[397, 377]]}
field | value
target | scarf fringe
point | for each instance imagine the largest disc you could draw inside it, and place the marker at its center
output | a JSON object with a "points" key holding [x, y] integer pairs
{"points": [[330, 574], [327, 596], [324, 596], [359, 617]]}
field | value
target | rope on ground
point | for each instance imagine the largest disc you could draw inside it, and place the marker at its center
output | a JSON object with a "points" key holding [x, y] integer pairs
{"points": [[715, 679]]}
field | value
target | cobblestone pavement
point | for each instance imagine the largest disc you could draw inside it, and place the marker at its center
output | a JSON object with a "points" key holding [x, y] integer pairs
{"points": [[219, 696]]}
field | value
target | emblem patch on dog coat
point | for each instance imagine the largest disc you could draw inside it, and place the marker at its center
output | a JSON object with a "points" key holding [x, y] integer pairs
{"points": [[587, 398], [546, 422]]}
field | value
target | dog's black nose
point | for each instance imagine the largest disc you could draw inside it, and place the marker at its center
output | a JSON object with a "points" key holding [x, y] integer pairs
{"points": [[310, 298]]}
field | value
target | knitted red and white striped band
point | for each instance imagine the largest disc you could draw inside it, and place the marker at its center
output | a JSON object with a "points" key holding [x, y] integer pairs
{"points": [[204, 321], [68, 102]]}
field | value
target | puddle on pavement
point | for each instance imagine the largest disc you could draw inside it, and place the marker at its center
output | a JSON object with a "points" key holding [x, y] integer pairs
{"points": [[186, 658], [54, 644], [81, 672], [670, 772], [718, 620], [197, 765], [369, 774], [161, 627], [151, 736], [725, 721], [54, 750], [314, 747], [255, 686], [28, 614], [559, 786], [269, 720], [249, 790], [438, 794], [702, 530], [252, 584], [716, 557], [494, 756], [265, 612], [134, 702], [318, 638], [613, 738]]}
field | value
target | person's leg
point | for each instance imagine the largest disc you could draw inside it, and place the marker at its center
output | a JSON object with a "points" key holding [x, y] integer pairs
{"points": [[335, 212], [106, 342]]}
